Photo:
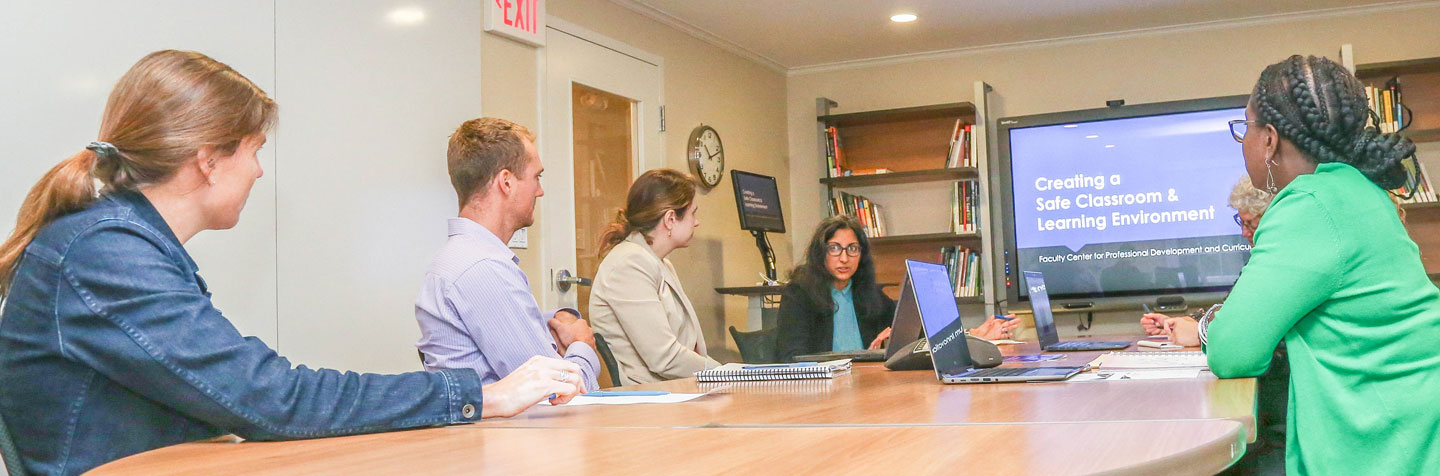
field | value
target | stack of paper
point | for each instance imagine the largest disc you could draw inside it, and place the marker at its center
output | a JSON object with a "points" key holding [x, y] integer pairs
{"points": [[1150, 360], [734, 372]]}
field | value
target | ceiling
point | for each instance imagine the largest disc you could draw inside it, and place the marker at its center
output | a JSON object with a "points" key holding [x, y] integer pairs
{"points": [[806, 34]]}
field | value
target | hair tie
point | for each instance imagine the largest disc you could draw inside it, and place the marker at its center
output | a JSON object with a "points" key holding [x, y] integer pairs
{"points": [[104, 149]]}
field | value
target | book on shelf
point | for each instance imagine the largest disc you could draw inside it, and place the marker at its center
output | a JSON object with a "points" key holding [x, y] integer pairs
{"points": [[962, 148], [964, 266], [878, 171], [965, 207], [835, 154], [867, 212], [740, 372], [1389, 106], [1422, 191]]}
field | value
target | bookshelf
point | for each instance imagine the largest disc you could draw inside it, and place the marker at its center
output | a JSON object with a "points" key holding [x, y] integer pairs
{"points": [[1419, 80], [914, 203]]}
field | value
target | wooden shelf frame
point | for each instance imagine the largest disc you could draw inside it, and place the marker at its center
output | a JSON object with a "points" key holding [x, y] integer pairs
{"points": [[913, 176], [1397, 68], [936, 111], [911, 142], [928, 238]]}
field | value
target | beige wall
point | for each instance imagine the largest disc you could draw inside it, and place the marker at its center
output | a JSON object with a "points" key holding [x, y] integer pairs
{"points": [[743, 101], [1082, 75]]}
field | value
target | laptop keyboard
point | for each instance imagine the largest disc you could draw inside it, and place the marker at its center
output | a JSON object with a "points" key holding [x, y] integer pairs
{"points": [[996, 372], [1083, 345]]}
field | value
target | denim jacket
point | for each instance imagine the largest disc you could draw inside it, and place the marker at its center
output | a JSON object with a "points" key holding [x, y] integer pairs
{"points": [[110, 346]]}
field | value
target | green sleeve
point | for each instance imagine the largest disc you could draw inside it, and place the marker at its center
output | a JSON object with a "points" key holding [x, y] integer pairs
{"points": [[1295, 266]]}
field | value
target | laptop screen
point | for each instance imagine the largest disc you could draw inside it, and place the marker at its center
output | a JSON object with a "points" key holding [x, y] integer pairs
{"points": [[940, 316], [1040, 305], [905, 326]]}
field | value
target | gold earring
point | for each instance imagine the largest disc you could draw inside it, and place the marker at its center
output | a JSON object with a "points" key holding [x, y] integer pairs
{"points": [[670, 233]]}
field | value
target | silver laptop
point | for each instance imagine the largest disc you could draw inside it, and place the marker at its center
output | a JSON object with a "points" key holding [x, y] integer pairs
{"points": [[940, 320], [1045, 321]]}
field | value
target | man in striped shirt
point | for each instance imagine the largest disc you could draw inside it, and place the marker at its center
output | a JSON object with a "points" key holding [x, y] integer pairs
{"points": [[475, 309]]}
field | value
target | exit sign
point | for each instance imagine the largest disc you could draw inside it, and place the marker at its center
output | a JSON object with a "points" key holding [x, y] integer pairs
{"points": [[522, 20]]}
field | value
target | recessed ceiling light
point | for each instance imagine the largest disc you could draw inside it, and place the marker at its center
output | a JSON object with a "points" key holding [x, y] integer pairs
{"points": [[406, 16], [1092, 136], [1110, 146], [903, 18], [1071, 126]]}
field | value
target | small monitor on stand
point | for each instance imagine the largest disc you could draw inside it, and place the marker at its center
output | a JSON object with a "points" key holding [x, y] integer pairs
{"points": [[757, 197]]}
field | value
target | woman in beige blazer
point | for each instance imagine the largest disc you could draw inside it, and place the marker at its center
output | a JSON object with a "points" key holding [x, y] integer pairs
{"points": [[637, 302]]}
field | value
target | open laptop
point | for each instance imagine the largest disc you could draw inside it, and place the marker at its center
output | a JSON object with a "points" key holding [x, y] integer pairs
{"points": [[940, 320], [1045, 321]]}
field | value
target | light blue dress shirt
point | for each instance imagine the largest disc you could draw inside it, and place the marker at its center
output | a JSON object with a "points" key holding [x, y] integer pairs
{"points": [[847, 327], [476, 312]]}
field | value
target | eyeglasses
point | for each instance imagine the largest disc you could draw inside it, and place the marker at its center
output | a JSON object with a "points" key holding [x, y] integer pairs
{"points": [[834, 249], [1238, 128], [1244, 224]]}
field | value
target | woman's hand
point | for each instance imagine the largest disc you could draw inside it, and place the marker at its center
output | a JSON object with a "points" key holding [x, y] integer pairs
{"points": [[996, 328], [879, 341], [1152, 322], [1182, 330], [537, 379]]}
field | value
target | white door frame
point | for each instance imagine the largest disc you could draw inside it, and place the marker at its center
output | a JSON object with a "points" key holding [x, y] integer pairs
{"points": [[649, 150]]}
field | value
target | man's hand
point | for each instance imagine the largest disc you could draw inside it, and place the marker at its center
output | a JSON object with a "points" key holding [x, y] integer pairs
{"points": [[569, 329], [535, 380]]}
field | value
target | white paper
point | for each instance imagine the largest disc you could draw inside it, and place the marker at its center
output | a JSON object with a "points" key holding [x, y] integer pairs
{"points": [[1115, 376], [1006, 342]]}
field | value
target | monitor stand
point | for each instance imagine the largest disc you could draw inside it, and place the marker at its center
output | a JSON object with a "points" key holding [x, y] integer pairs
{"points": [[767, 254]]}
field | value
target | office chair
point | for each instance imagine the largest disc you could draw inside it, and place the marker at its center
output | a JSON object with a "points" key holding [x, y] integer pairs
{"points": [[756, 347], [609, 358], [11, 456]]}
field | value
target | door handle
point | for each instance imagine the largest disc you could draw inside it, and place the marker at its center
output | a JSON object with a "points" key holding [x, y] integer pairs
{"points": [[563, 281]]}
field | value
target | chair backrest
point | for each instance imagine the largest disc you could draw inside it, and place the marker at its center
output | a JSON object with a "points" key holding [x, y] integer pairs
{"points": [[756, 347], [11, 456], [609, 358]]}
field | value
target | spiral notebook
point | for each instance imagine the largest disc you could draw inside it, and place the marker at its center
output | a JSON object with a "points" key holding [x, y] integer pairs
{"points": [[1150, 360], [738, 372]]}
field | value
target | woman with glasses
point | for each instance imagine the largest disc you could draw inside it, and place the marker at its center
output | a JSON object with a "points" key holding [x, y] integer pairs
{"points": [[637, 302], [1335, 276], [833, 303]]}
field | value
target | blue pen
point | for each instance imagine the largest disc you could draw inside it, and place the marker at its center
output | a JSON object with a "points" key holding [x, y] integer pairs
{"points": [[1003, 318], [780, 366], [1147, 308], [625, 393]]}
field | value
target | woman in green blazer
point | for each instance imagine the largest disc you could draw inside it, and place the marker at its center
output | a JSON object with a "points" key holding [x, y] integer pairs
{"points": [[1335, 275]]}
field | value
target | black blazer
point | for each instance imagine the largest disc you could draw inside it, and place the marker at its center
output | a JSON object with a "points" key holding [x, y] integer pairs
{"points": [[805, 327]]}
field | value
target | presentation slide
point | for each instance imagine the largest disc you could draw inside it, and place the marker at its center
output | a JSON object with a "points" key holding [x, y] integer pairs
{"points": [[759, 202], [1129, 205]]}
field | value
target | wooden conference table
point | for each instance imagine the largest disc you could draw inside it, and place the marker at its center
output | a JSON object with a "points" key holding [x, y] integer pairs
{"points": [[871, 420]]}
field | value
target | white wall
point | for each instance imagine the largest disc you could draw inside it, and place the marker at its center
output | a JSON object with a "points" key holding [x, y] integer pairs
{"points": [[355, 195], [367, 106], [59, 60]]}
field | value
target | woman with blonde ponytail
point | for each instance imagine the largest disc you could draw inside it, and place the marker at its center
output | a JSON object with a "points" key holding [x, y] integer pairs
{"points": [[637, 302], [109, 343]]}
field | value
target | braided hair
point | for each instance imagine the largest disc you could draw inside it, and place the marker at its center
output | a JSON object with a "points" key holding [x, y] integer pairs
{"points": [[1321, 108]]}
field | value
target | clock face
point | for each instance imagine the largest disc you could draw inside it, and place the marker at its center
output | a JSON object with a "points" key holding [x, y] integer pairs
{"points": [[707, 155]]}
